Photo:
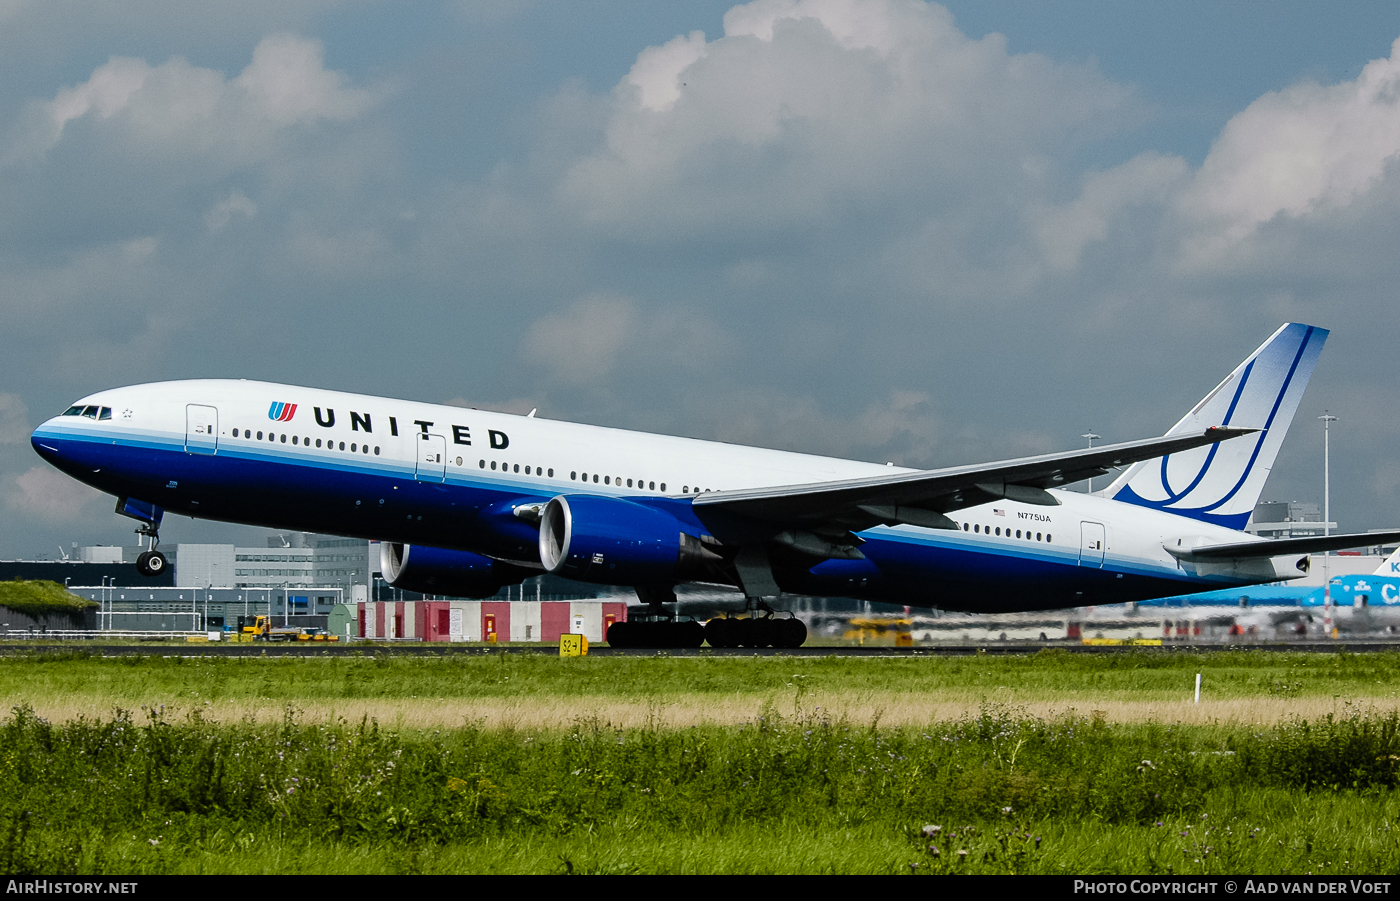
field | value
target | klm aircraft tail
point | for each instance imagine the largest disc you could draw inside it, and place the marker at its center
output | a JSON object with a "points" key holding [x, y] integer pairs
{"points": [[1391, 566], [1221, 483]]}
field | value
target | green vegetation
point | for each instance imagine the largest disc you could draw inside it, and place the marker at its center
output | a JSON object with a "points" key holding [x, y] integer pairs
{"points": [[765, 776], [142, 794], [32, 676], [39, 598]]}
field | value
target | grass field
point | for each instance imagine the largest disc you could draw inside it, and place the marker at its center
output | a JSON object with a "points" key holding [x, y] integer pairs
{"points": [[1050, 763], [541, 692]]}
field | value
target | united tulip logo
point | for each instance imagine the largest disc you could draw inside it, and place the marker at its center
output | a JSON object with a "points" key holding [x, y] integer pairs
{"points": [[280, 412]]}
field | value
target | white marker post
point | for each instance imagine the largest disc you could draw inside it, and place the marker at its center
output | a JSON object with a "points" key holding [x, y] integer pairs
{"points": [[1198, 688]]}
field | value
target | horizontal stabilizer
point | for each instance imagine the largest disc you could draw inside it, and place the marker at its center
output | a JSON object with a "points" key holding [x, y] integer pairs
{"points": [[1315, 544]]}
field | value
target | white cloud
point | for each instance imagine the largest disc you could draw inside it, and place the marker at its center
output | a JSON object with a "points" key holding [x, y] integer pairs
{"points": [[657, 72], [581, 344], [49, 494], [287, 81], [1146, 180], [176, 110], [1301, 150], [604, 336], [222, 212], [821, 108], [14, 419]]}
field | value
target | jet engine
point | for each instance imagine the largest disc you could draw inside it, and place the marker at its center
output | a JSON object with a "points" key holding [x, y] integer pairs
{"points": [[433, 570], [610, 541]]}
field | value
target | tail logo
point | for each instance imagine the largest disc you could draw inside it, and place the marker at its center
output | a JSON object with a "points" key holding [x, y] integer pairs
{"points": [[1221, 484], [280, 412]]}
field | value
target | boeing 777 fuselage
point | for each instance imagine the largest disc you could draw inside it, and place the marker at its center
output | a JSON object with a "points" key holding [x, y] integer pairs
{"points": [[467, 501]]}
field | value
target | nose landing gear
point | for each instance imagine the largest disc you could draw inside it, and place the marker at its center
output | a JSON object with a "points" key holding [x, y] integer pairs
{"points": [[150, 562]]}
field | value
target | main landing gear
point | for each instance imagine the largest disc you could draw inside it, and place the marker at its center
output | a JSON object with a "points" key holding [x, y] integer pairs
{"points": [[150, 562], [767, 631], [653, 627], [644, 630]]}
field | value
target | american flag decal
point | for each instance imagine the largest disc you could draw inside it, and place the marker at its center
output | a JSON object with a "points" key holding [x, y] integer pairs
{"points": [[996, 512]]}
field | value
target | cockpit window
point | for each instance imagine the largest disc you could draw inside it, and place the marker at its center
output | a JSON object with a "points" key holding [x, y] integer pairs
{"points": [[90, 412], [73, 411], [106, 413]]}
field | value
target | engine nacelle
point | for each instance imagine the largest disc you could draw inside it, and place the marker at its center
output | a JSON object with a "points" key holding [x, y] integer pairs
{"points": [[434, 570], [610, 541]]}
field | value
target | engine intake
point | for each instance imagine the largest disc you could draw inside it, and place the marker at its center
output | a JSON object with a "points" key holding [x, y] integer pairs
{"points": [[610, 541], [433, 570]]}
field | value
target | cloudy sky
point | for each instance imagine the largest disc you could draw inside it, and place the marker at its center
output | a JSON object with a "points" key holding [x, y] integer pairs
{"points": [[884, 229]]}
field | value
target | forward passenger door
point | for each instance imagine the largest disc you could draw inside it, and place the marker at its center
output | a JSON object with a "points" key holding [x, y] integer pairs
{"points": [[201, 429]]}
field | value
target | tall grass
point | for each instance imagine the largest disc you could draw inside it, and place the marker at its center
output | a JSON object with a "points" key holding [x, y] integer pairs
{"points": [[142, 792]]}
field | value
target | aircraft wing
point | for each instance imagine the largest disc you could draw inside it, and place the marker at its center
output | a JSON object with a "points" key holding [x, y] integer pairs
{"points": [[1283, 546], [922, 498]]}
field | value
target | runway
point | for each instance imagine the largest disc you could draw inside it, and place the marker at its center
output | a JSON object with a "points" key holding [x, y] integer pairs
{"points": [[420, 649]]}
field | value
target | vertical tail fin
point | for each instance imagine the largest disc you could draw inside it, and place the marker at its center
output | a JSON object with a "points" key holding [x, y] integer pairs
{"points": [[1221, 483], [1391, 566]]}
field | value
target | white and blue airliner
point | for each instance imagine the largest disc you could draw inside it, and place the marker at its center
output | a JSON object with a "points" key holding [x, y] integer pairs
{"points": [[467, 501]]}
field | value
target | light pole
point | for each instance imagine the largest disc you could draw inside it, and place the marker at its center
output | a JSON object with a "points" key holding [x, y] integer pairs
{"points": [[1327, 420], [1092, 438]]}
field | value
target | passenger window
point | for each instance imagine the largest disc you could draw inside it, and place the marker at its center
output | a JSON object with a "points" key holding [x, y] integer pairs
{"points": [[551, 473], [493, 464], [259, 436], [653, 486], [318, 442], [352, 448], [607, 480], [977, 528], [527, 470], [284, 439], [685, 489], [595, 478], [663, 486], [1037, 536], [295, 439], [483, 464], [364, 449], [629, 483], [573, 476], [342, 445], [517, 467]]}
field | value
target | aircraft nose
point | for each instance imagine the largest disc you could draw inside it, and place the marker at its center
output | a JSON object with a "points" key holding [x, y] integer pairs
{"points": [[43, 442]]}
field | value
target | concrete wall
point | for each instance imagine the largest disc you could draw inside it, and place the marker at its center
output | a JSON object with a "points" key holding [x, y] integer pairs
{"points": [[522, 621]]}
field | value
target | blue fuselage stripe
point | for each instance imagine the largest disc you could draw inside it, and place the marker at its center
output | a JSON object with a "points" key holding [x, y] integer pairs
{"points": [[364, 496]]}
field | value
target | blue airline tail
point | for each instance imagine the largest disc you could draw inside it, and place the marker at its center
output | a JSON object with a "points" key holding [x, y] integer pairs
{"points": [[1221, 483]]}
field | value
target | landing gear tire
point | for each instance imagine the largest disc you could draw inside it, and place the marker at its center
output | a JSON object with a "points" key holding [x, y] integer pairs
{"points": [[657, 634], [755, 632], [792, 633], [151, 563], [722, 632]]}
